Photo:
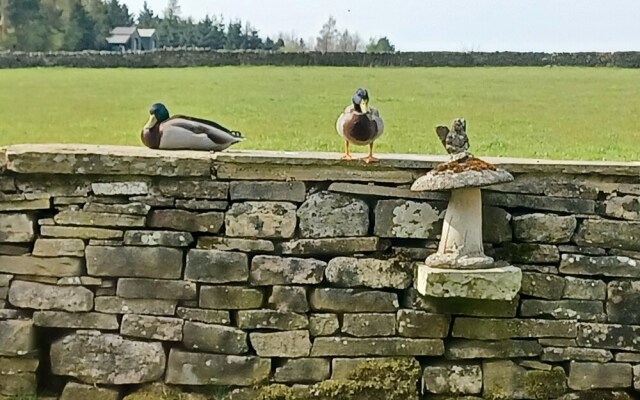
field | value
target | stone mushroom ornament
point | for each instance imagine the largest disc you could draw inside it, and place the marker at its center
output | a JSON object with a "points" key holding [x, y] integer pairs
{"points": [[460, 268]]}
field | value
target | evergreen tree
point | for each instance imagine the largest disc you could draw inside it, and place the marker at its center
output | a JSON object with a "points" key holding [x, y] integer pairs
{"points": [[80, 33], [118, 14], [146, 18], [235, 37], [31, 31], [382, 45]]}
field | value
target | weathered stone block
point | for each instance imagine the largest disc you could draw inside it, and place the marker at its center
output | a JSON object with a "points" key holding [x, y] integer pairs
{"points": [[528, 253], [214, 338], [84, 218], [386, 347], [80, 281], [547, 203], [333, 246], [420, 324], [117, 305], [608, 234], [5, 280], [496, 227], [216, 317], [323, 324], [135, 208], [289, 344], [617, 266], [302, 370], [192, 189], [584, 289], [581, 310], [261, 220], [230, 298], [273, 270], [18, 385], [289, 298], [471, 349], [17, 337], [544, 228], [24, 205], [625, 207], [326, 215], [15, 249], [59, 248], [628, 358], [369, 272], [61, 319], [408, 219], [160, 289], [623, 300], [545, 286], [501, 283], [202, 205], [138, 262], [559, 354], [272, 319], [15, 365], [181, 220], [369, 325], [586, 376], [452, 379], [609, 336], [470, 307], [213, 266], [506, 380], [271, 191], [80, 232], [234, 244], [48, 297], [119, 188], [151, 327], [17, 228], [109, 359], [353, 300], [495, 329], [157, 238], [207, 369], [45, 267], [73, 391]]}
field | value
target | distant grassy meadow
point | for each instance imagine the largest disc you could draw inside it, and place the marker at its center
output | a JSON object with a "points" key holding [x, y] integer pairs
{"points": [[553, 113]]}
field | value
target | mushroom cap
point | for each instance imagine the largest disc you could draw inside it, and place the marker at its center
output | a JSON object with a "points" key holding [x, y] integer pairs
{"points": [[447, 180]]}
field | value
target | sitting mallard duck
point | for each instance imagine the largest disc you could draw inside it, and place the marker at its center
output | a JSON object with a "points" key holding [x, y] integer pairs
{"points": [[360, 124], [185, 133]]}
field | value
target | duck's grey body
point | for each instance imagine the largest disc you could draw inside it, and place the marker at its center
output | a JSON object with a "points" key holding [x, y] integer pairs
{"points": [[351, 126], [183, 133]]}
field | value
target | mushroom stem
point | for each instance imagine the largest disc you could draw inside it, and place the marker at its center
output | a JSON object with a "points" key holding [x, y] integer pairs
{"points": [[462, 229]]}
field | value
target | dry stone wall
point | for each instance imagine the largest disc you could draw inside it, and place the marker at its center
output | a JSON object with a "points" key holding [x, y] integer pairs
{"points": [[290, 276]]}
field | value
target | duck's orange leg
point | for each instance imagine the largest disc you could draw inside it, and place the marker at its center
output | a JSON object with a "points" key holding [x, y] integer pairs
{"points": [[370, 158], [347, 154]]}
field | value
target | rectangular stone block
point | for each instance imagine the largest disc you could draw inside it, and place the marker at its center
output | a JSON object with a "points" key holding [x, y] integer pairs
{"points": [[217, 317], [609, 234], [609, 336], [581, 310], [369, 272], [59, 248], [546, 203], [333, 246], [544, 286], [623, 299], [84, 218], [139, 262], [408, 219], [202, 205], [559, 354], [273, 270], [343, 368], [213, 266], [49, 297], [289, 344], [420, 324], [15, 249], [369, 325], [25, 205], [186, 368], [160, 289], [230, 298], [507, 380], [528, 253], [194, 189], [292, 191], [88, 320], [73, 391], [80, 232], [17, 337], [18, 385], [323, 324], [452, 379], [453, 306], [261, 220], [353, 300], [496, 329], [217, 339], [385, 347], [52, 267], [587, 376], [157, 238], [289, 298], [616, 266], [151, 327], [15, 365], [117, 305], [302, 370], [186, 221], [272, 320], [135, 208], [17, 228], [119, 188], [235, 244], [472, 349], [544, 228], [584, 289]]}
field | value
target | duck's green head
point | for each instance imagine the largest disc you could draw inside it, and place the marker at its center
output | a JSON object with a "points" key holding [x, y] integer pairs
{"points": [[361, 100], [159, 113]]}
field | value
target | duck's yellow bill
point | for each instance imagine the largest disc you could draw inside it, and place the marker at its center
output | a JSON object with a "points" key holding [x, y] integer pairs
{"points": [[364, 106], [151, 123]]}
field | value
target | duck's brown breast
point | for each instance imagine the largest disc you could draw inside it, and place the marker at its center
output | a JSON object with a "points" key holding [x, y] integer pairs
{"points": [[151, 137], [359, 129]]}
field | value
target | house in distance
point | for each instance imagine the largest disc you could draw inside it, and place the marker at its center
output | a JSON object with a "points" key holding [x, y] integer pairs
{"points": [[130, 38]]}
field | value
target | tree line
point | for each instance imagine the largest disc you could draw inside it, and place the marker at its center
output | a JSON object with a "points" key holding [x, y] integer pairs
{"points": [[75, 25]]}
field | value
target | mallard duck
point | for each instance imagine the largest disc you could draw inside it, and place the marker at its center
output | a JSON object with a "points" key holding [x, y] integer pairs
{"points": [[185, 133], [360, 124], [455, 140]]}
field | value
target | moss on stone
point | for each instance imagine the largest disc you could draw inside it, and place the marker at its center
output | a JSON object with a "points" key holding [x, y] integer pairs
{"points": [[546, 384], [159, 391]]}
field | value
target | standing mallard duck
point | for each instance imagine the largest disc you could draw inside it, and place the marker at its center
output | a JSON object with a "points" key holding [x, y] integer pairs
{"points": [[185, 133], [360, 124]]}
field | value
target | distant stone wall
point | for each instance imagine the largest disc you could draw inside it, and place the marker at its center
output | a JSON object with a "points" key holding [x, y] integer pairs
{"points": [[196, 57], [290, 276]]}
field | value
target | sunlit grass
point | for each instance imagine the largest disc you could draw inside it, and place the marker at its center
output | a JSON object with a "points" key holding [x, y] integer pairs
{"points": [[561, 113]]}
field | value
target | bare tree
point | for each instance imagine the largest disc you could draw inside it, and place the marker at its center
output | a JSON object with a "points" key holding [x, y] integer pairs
{"points": [[349, 43], [328, 38], [292, 43]]}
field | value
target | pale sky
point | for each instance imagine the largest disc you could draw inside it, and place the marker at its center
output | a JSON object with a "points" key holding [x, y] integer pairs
{"points": [[455, 25]]}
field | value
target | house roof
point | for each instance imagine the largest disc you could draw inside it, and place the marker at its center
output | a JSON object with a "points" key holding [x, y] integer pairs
{"points": [[118, 39], [123, 30], [146, 33]]}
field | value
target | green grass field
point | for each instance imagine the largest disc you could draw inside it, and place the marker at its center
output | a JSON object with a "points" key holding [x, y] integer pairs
{"points": [[560, 113]]}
